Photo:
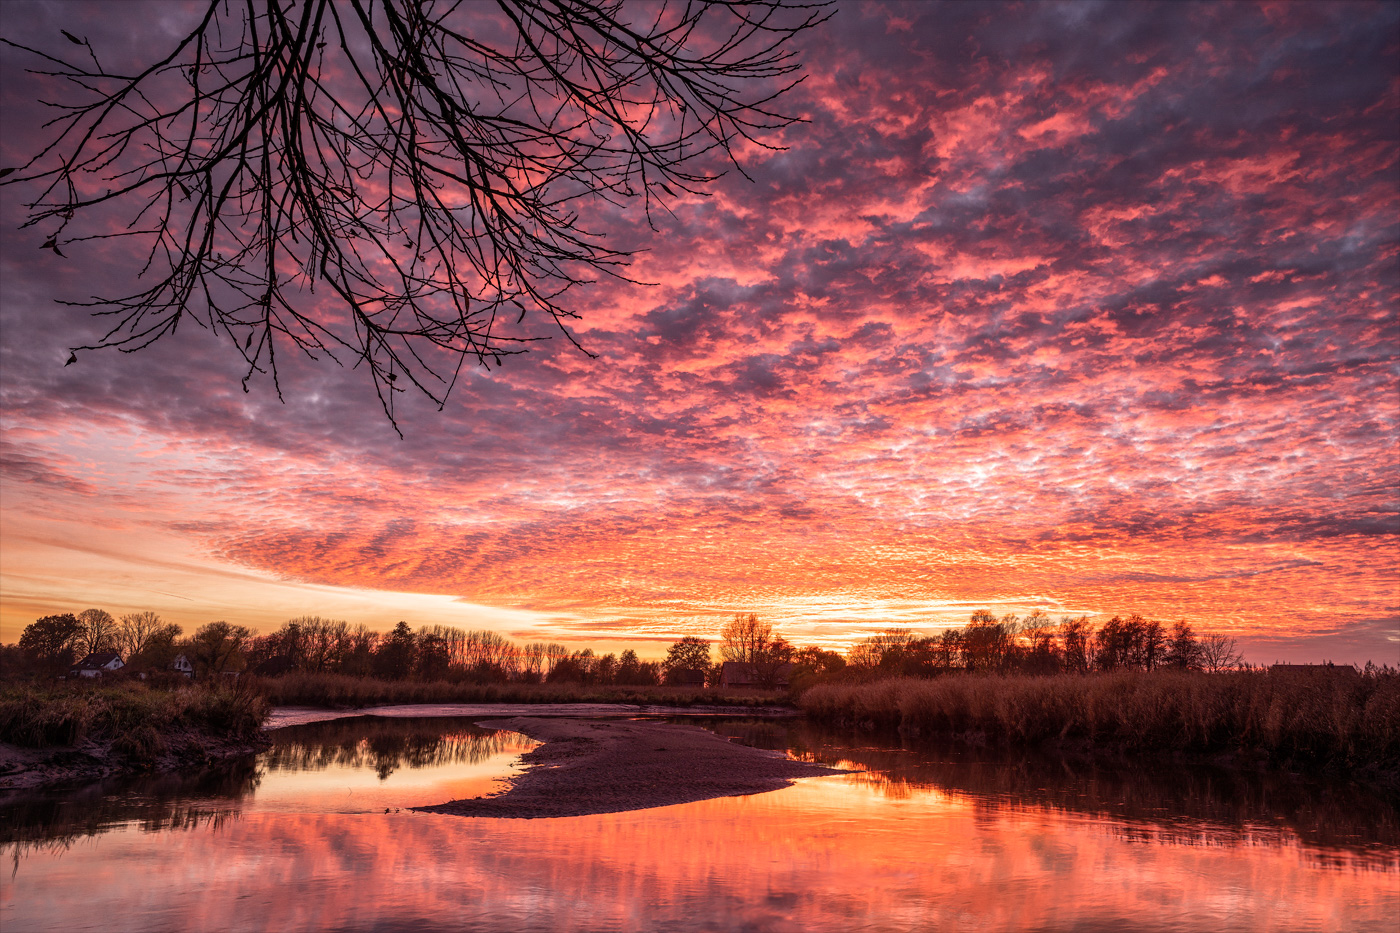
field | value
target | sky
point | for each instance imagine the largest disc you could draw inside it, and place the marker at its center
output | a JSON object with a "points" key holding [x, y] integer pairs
{"points": [[1087, 307]]}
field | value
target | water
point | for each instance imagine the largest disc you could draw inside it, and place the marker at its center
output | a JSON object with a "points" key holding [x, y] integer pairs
{"points": [[922, 838]]}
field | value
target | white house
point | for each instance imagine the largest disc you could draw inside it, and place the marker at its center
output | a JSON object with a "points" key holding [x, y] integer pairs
{"points": [[97, 664], [182, 665]]}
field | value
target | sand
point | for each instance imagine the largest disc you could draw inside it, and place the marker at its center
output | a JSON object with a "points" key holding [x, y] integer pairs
{"points": [[589, 766]]}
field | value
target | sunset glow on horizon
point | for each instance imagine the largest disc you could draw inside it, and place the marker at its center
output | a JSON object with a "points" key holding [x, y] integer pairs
{"points": [[1085, 308]]}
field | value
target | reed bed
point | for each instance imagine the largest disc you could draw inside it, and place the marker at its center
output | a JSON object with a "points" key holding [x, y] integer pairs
{"points": [[136, 720], [342, 691], [1336, 718]]}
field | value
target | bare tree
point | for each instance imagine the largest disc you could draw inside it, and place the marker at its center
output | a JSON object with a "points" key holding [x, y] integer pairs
{"points": [[1076, 643], [533, 665], [554, 653], [744, 639], [99, 632], [1219, 653], [135, 630], [424, 163], [770, 664]]}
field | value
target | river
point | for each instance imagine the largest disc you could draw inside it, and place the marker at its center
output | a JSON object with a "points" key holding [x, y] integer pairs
{"points": [[316, 833]]}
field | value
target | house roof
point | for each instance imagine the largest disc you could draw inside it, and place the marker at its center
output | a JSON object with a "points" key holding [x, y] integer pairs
{"points": [[97, 660], [743, 672]]}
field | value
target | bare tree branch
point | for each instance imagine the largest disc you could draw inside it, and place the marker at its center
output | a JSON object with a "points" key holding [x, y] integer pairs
{"points": [[426, 163]]}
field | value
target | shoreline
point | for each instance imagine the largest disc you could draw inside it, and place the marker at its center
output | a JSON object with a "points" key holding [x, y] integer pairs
{"points": [[284, 716], [87, 762]]}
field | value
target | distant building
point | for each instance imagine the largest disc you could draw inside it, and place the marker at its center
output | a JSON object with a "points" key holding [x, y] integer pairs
{"points": [[275, 667], [686, 677], [1326, 670], [182, 665], [97, 664], [744, 674]]}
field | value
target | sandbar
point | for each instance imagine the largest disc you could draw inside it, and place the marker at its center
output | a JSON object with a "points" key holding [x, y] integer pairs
{"points": [[590, 766]]}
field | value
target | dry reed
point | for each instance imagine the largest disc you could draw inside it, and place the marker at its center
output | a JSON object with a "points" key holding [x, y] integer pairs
{"points": [[1337, 717]]}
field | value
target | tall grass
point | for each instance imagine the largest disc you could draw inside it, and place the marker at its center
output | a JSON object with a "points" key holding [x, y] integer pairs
{"points": [[339, 690], [1318, 717], [136, 720]]}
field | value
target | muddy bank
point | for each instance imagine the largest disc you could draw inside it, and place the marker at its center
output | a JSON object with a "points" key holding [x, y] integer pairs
{"points": [[610, 766], [282, 716], [89, 760]]}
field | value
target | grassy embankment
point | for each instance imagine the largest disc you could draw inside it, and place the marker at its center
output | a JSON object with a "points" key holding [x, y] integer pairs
{"points": [[339, 691], [131, 726], [1341, 722]]}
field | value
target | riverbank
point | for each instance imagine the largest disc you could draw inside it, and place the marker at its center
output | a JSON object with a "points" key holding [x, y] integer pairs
{"points": [[1339, 721], [70, 733], [339, 691], [588, 766]]}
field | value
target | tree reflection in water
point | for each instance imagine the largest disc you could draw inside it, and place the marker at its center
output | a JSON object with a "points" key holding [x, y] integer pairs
{"points": [[1166, 800], [385, 745], [55, 819]]}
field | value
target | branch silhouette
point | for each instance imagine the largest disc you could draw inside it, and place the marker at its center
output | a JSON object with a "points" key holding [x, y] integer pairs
{"points": [[397, 184]]}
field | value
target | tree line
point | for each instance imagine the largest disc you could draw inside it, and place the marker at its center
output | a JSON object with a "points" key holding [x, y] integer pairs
{"points": [[142, 639], [1036, 644], [310, 644]]}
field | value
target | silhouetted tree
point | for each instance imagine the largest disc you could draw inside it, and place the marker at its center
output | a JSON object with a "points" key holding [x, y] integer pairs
{"points": [[99, 632], [134, 630], [1152, 642], [433, 657], [158, 650], [629, 668], [817, 660], [397, 652], [533, 664], [1183, 650], [218, 646], [52, 642], [1219, 653], [884, 650], [578, 667], [423, 163], [554, 653], [1076, 644], [359, 656], [986, 640], [1038, 648], [745, 638], [771, 661], [690, 653], [1114, 645], [605, 671]]}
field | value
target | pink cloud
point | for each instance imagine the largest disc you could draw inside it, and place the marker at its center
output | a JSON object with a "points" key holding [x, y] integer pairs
{"points": [[1026, 315]]}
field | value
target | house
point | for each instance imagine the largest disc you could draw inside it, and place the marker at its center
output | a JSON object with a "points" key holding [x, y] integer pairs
{"points": [[275, 667], [686, 677], [744, 674], [182, 665], [1315, 670], [97, 664]]}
